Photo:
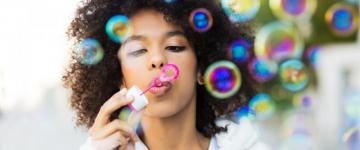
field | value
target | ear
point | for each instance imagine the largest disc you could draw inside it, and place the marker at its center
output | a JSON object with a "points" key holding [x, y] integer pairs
{"points": [[200, 78]]}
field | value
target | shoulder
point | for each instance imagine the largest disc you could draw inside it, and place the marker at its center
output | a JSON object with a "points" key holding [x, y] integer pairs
{"points": [[239, 136]]}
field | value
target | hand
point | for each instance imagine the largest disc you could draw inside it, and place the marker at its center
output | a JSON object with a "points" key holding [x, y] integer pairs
{"points": [[108, 135]]}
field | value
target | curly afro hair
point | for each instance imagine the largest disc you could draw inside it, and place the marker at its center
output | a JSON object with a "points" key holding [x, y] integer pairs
{"points": [[92, 85]]}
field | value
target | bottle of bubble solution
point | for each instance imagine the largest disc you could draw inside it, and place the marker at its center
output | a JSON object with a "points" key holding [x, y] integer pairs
{"points": [[132, 113]]}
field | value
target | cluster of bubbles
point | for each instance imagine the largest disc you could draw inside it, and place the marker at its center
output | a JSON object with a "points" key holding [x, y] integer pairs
{"points": [[89, 51], [342, 19], [222, 79], [240, 10]]}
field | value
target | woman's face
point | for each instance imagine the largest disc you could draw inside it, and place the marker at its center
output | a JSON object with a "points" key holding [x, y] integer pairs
{"points": [[152, 44]]}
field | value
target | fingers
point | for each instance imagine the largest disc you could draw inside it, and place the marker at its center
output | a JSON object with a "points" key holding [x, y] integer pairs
{"points": [[111, 142], [114, 126], [117, 101]]}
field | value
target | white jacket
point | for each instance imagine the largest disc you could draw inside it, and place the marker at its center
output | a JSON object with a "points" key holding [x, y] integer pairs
{"points": [[240, 136]]}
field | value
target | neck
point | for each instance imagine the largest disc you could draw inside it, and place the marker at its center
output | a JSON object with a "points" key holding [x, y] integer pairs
{"points": [[174, 132]]}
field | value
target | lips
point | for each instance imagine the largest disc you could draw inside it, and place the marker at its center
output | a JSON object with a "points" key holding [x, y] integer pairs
{"points": [[160, 88]]}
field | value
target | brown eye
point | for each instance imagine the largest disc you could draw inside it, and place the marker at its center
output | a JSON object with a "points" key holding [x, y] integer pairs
{"points": [[175, 48]]}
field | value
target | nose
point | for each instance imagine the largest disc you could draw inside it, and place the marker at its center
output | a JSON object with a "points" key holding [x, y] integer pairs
{"points": [[157, 61]]}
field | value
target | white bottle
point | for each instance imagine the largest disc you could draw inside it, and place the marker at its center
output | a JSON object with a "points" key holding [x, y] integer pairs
{"points": [[140, 101]]}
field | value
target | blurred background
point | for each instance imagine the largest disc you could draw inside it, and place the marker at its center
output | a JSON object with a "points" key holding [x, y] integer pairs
{"points": [[305, 61]]}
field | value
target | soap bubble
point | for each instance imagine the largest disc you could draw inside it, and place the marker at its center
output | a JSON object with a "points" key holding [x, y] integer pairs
{"points": [[222, 79], [89, 51]]}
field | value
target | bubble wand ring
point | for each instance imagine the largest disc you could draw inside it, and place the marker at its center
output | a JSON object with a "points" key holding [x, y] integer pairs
{"points": [[164, 76]]}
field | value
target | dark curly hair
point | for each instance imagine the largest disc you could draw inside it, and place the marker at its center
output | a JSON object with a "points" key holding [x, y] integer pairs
{"points": [[92, 85]]}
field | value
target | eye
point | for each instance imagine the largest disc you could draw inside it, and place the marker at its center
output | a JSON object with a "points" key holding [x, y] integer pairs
{"points": [[175, 48], [138, 52]]}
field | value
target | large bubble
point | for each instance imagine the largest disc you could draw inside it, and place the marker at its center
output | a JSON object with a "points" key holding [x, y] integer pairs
{"points": [[278, 41], [118, 28], [222, 79], [89, 51], [342, 19]]}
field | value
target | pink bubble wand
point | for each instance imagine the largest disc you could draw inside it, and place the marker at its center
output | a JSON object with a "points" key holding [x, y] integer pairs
{"points": [[168, 73]]}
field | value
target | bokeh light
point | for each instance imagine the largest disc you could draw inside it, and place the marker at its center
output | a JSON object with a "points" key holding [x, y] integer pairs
{"points": [[222, 79], [244, 112], [124, 113], [201, 20], [302, 101], [293, 75], [240, 10], [118, 28], [352, 105], [239, 50], [89, 51], [293, 9], [278, 41], [352, 138], [312, 55], [342, 19], [262, 70], [263, 106]]}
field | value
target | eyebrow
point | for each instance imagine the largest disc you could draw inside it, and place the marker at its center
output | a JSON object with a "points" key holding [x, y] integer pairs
{"points": [[167, 35]]}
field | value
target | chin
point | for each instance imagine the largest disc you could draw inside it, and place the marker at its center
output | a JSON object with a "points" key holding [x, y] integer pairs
{"points": [[160, 111]]}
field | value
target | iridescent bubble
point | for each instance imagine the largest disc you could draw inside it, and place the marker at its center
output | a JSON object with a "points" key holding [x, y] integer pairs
{"points": [[222, 79], [293, 75], [352, 138], [201, 20], [240, 10], [263, 106], [312, 54], [278, 41], [244, 111], [89, 51], [239, 50], [118, 28], [293, 9], [342, 19], [262, 70]]}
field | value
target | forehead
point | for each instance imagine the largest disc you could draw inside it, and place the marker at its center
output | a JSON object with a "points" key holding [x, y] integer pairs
{"points": [[149, 22]]}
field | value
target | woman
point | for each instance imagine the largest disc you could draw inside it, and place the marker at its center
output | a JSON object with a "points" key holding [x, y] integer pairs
{"points": [[185, 115]]}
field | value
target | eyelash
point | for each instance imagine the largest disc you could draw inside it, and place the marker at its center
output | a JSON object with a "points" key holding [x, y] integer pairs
{"points": [[171, 48], [176, 48]]}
